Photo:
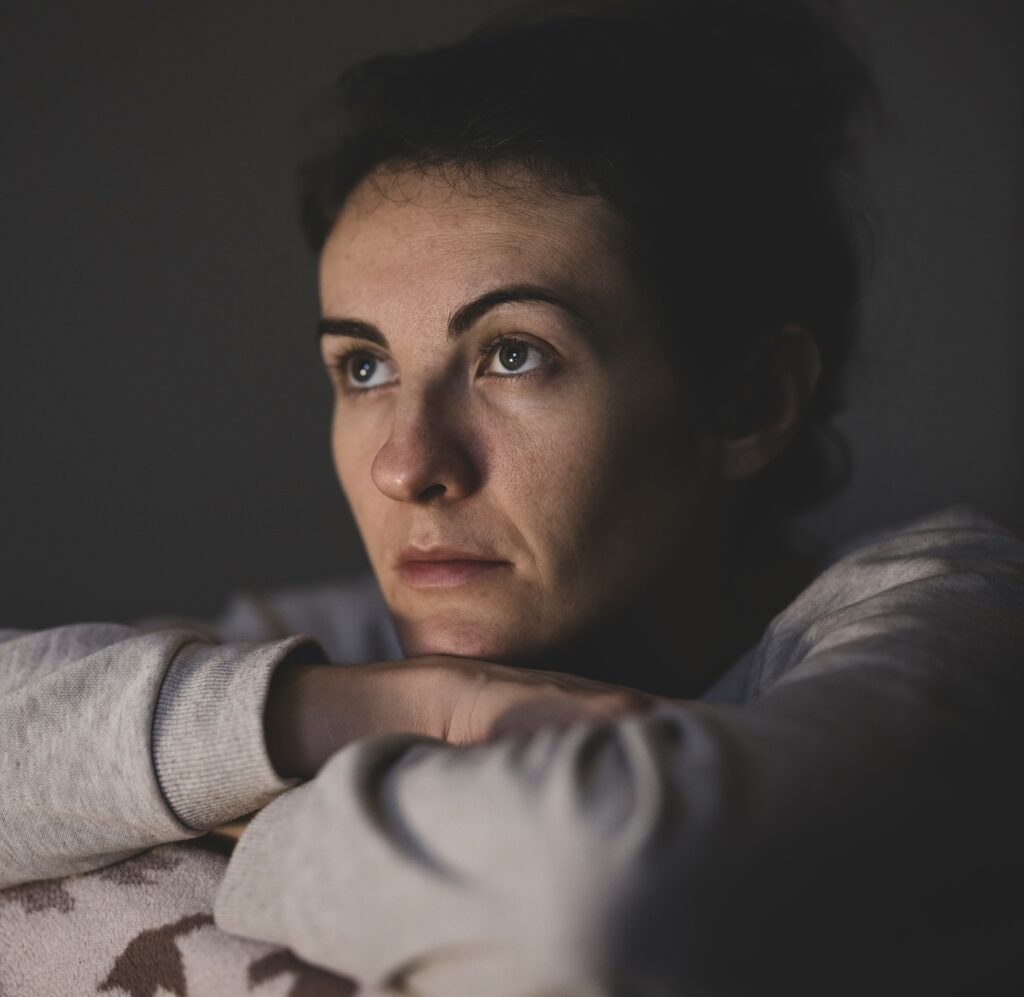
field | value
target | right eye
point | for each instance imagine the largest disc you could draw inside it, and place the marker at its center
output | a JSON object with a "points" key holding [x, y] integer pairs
{"points": [[361, 371]]}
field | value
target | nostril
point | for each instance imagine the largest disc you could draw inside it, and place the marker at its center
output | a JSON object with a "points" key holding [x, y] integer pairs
{"points": [[433, 491]]}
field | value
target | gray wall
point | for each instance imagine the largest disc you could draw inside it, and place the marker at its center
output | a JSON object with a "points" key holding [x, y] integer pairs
{"points": [[163, 420], [936, 409]]}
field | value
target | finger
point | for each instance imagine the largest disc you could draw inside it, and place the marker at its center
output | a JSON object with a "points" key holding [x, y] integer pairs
{"points": [[559, 710]]}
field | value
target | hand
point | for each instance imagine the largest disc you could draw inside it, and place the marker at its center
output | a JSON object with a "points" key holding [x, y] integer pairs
{"points": [[313, 710], [489, 701]]}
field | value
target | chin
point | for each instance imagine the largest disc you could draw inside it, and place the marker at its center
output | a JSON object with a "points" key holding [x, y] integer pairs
{"points": [[460, 637]]}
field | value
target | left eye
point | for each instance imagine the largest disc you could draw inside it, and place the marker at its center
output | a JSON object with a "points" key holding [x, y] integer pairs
{"points": [[514, 357]]}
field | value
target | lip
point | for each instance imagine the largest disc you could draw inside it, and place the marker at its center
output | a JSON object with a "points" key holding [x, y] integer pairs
{"points": [[444, 567]]}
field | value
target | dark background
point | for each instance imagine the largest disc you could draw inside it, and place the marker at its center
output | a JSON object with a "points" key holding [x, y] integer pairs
{"points": [[163, 418]]}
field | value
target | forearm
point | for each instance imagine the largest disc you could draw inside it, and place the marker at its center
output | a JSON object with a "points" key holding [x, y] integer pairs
{"points": [[865, 809], [836, 813], [112, 741], [315, 709]]}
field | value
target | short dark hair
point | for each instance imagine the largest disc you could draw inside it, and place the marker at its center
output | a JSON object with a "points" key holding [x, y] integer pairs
{"points": [[723, 132]]}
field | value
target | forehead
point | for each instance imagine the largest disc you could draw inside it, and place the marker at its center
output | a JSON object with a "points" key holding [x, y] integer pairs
{"points": [[415, 236]]}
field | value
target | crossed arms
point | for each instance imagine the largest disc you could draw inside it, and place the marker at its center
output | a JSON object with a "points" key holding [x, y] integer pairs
{"points": [[858, 821]]}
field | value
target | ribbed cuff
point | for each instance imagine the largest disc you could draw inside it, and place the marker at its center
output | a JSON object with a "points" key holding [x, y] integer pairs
{"points": [[209, 747]]}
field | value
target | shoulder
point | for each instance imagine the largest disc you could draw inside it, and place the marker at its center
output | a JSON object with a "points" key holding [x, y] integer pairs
{"points": [[933, 587], [347, 616], [940, 540]]}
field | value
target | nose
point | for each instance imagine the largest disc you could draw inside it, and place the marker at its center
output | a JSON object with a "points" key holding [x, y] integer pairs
{"points": [[428, 455]]}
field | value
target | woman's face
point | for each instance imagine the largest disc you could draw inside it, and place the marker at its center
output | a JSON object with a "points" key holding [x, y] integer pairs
{"points": [[506, 428]]}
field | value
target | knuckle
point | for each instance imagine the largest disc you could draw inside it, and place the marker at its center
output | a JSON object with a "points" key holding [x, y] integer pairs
{"points": [[618, 701]]}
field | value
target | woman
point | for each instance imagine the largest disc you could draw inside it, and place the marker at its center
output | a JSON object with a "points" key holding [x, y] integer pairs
{"points": [[588, 284]]}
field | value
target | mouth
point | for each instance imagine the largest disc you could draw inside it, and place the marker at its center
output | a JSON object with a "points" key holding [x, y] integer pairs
{"points": [[444, 567]]}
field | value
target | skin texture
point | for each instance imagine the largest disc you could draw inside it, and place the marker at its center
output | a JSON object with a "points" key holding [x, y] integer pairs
{"points": [[313, 710], [579, 472]]}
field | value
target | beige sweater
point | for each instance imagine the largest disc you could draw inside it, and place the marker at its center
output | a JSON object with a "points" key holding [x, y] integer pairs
{"points": [[841, 816]]}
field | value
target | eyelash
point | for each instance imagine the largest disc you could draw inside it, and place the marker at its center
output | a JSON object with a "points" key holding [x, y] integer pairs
{"points": [[340, 363]]}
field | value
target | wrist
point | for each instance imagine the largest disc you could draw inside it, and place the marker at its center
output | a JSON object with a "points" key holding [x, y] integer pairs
{"points": [[314, 710], [290, 746]]}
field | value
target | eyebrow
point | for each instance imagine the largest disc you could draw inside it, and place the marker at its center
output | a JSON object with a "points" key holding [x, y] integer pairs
{"points": [[462, 319]]}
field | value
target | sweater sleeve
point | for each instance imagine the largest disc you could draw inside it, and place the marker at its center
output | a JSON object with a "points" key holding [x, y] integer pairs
{"points": [[113, 740], [854, 829]]}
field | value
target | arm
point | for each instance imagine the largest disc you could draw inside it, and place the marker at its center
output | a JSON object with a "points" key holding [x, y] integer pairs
{"points": [[857, 826], [113, 740]]}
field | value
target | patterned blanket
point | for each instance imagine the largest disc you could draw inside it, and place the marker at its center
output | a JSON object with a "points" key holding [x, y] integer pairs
{"points": [[143, 928]]}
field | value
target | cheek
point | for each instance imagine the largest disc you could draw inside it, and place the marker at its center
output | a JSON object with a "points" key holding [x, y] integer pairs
{"points": [[536, 449], [552, 473], [604, 494], [353, 448]]}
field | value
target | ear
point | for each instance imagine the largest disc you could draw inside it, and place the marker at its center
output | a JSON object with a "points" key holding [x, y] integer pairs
{"points": [[772, 402]]}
